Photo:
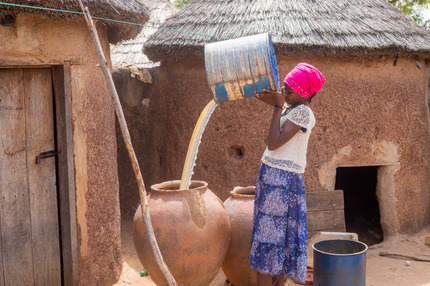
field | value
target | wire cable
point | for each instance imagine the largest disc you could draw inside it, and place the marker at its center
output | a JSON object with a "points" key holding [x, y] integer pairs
{"points": [[110, 20]]}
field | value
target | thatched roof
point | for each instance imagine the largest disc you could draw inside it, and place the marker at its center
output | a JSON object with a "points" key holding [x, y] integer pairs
{"points": [[124, 10], [297, 27], [130, 51]]}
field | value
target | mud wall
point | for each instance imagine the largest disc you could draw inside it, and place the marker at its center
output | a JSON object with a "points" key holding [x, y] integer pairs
{"points": [[37, 42], [371, 112], [144, 110]]}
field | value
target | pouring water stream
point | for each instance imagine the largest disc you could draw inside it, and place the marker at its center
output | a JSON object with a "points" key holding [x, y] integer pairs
{"points": [[190, 160]]}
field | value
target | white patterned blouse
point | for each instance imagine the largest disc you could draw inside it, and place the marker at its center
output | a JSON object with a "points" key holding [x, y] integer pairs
{"points": [[292, 155]]}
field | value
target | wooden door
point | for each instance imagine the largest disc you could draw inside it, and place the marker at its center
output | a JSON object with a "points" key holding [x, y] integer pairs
{"points": [[29, 225]]}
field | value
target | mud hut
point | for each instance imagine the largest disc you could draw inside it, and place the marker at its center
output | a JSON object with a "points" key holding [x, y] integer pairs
{"points": [[368, 157], [59, 206]]}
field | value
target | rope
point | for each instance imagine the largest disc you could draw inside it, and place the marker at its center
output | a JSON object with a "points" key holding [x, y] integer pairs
{"points": [[110, 20]]}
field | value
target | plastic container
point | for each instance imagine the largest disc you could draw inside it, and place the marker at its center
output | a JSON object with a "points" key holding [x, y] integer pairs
{"points": [[241, 68], [325, 235], [339, 263]]}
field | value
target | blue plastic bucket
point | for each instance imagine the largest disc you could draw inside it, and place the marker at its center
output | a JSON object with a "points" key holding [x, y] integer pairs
{"points": [[339, 263], [241, 68]]}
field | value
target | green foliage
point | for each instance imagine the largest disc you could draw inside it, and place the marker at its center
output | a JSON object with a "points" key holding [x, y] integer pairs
{"points": [[413, 9], [180, 3]]}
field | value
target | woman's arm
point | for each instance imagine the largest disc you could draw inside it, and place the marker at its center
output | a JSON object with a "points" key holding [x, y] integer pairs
{"points": [[279, 136]]}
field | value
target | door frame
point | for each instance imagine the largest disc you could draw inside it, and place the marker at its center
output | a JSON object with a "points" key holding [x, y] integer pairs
{"points": [[61, 80], [62, 89]]}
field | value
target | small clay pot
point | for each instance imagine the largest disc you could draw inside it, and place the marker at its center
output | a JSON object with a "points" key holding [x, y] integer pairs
{"points": [[192, 229], [236, 265]]}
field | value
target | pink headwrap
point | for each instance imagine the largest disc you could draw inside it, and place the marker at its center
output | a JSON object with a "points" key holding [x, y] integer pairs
{"points": [[305, 79]]}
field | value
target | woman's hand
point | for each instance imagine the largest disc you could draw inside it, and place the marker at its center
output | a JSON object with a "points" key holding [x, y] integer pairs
{"points": [[271, 97]]}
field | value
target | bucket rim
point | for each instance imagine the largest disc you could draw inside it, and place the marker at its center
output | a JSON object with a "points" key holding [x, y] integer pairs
{"points": [[335, 254]]}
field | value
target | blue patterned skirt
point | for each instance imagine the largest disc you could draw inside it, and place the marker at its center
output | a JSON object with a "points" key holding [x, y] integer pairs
{"points": [[280, 230]]}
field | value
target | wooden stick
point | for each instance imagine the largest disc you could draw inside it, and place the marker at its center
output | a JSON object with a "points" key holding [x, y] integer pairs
{"points": [[398, 255], [127, 140]]}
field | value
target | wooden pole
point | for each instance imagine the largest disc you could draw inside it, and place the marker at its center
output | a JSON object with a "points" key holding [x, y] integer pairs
{"points": [[398, 255], [127, 140]]}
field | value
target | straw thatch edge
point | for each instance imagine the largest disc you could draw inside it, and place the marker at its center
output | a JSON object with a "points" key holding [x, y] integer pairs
{"points": [[178, 52], [124, 10]]}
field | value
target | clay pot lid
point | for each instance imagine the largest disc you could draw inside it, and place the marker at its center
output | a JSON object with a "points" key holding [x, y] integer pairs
{"points": [[173, 186], [243, 192]]}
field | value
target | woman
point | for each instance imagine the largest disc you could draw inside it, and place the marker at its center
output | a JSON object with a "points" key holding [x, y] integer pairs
{"points": [[279, 235]]}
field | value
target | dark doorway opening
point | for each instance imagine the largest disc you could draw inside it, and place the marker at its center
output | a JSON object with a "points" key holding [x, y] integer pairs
{"points": [[361, 205]]}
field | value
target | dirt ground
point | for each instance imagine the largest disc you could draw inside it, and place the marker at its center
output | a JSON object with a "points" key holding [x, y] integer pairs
{"points": [[380, 271]]}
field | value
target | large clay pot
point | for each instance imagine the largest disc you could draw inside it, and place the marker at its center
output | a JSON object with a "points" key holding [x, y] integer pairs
{"points": [[236, 265], [192, 229]]}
